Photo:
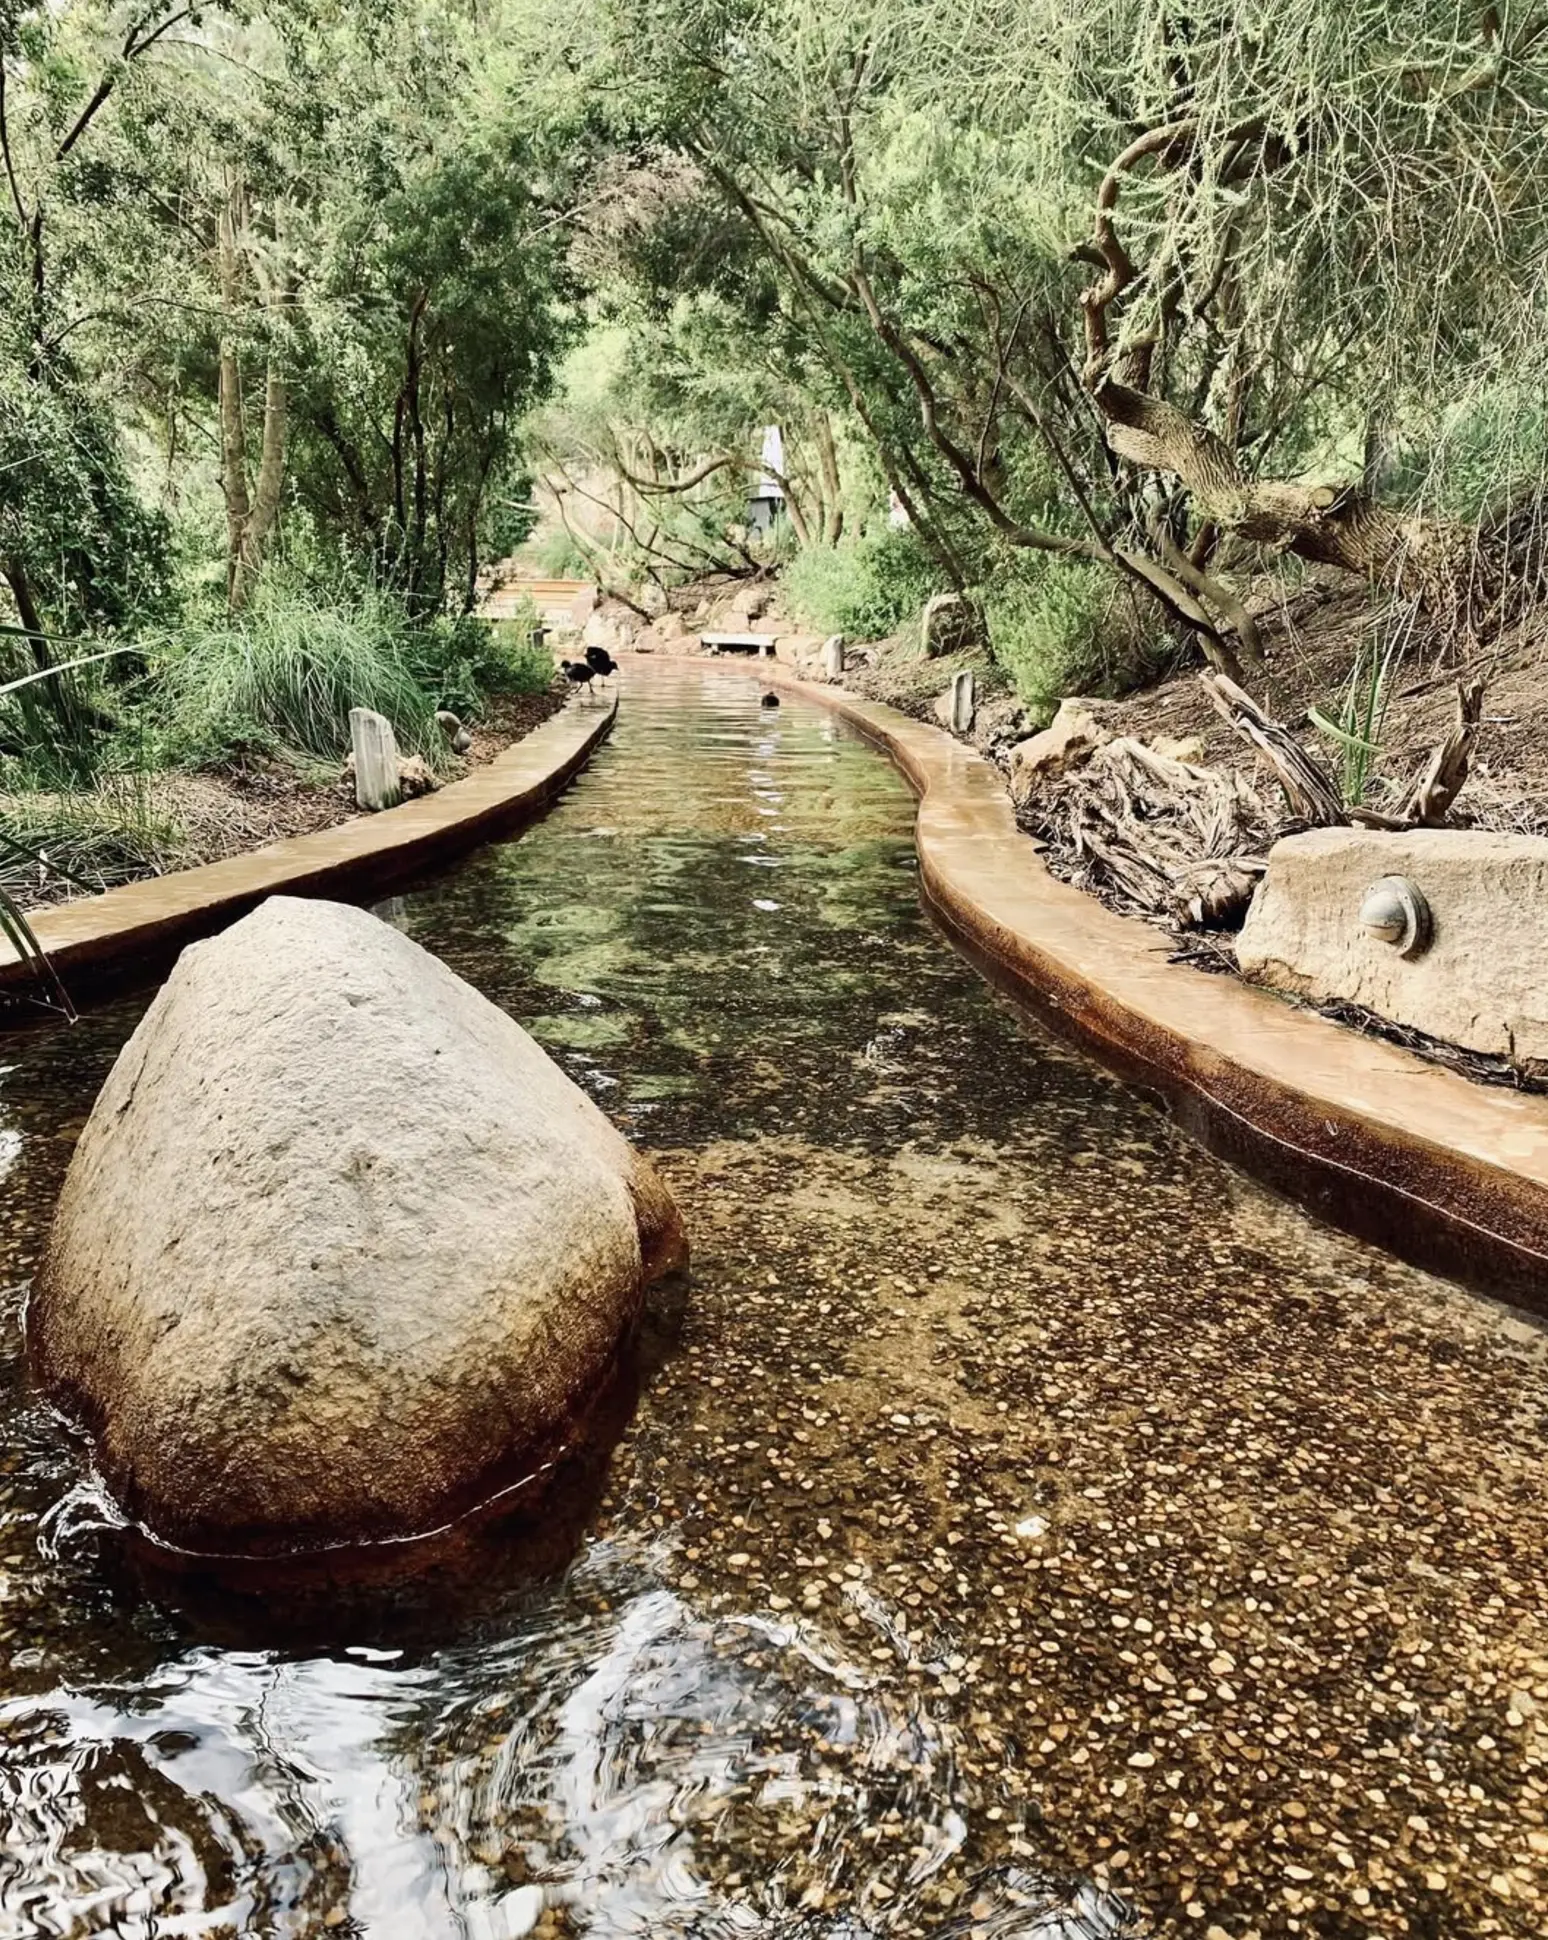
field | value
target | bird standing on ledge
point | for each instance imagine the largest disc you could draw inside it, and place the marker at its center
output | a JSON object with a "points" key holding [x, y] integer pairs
{"points": [[578, 672], [601, 662]]}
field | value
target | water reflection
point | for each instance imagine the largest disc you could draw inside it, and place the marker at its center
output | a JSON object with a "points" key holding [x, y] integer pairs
{"points": [[618, 1763]]}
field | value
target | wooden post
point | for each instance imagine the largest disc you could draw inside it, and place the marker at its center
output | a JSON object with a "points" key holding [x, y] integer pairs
{"points": [[962, 701], [833, 656], [376, 759]]}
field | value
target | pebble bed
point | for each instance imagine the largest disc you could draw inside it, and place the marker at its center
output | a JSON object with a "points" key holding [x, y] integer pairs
{"points": [[1027, 1526]]}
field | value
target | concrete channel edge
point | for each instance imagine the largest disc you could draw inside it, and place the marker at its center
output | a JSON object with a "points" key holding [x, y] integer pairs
{"points": [[124, 934], [1447, 1174]]}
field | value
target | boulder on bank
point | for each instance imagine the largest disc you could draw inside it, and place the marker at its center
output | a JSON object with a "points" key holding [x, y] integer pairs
{"points": [[613, 627], [950, 623], [667, 632], [341, 1251], [1475, 975], [1073, 736]]}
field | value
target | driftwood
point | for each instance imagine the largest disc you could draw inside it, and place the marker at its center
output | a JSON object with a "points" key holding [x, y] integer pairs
{"points": [[1312, 793], [1185, 844], [1440, 780], [1155, 836]]}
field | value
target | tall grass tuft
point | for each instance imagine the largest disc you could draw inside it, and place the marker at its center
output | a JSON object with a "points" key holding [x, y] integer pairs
{"points": [[90, 838], [1356, 728], [287, 673]]}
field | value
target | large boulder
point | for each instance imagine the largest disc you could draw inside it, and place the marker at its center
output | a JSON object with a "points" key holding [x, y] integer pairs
{"points": [[341, 1253], [666, 632], [613, 627], [748, 605], [1473, 971], [950, 623]]}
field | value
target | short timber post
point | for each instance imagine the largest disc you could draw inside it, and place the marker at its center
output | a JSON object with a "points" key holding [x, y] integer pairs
{"points": [[962, 702], [376, 759]]}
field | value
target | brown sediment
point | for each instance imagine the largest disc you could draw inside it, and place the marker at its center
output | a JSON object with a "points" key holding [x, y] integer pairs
{"points": [[1445, 1174]]}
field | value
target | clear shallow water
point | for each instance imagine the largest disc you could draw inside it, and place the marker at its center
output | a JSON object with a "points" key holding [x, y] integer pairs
{"points": [[1027, 1527]]}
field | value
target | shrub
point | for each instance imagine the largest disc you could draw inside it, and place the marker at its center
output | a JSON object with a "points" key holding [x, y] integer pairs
{"points": [[560, 557], [462, 662], [864, 589], [1062, 626]]}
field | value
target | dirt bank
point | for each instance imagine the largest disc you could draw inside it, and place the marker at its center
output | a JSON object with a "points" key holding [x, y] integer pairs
{"points": [[151, 825]]}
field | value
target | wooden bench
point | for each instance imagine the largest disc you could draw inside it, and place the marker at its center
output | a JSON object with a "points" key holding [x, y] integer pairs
{"points": [[737, 642]]}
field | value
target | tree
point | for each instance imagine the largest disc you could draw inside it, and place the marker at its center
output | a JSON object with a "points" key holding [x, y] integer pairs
{"points": [[1122, 281], [76, 547]]}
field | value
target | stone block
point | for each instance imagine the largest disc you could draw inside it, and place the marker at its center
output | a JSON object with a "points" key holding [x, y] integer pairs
{"points": [[1479, 982], [954, 709], [962, 702]]}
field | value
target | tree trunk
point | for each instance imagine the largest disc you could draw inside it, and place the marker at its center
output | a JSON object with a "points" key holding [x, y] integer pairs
{"points": [[60, 698], [266, 496], [17, 579], [1332, 526], [800, 523], [832, 484], [233, 438], [416, 423]]}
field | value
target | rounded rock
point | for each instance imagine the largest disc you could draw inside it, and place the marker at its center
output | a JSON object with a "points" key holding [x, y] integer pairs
{"points": [[340, 1250]]}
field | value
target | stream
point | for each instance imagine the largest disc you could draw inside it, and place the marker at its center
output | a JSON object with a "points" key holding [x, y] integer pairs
{"points": [[1026, 1526]]}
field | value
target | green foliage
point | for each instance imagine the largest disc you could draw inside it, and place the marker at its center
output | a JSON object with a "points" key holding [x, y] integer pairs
{"points": [[1354, 724], [1060, 626], [672, 398], [430, 323], [466, 661], [891, 212], [559, 557], [864, 588], [1490, 446], [286, 675]]}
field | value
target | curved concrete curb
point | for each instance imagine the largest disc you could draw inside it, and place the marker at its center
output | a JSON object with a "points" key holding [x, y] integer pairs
{"points": [[1450, 1175], [123, 932]]}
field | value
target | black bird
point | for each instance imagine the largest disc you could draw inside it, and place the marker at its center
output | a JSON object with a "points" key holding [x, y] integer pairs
{"points": [[578, 671], [600, 661], [769, 700]]}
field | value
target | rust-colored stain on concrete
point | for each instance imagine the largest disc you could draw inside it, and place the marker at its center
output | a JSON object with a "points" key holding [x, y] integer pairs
{"points": [[146, 920], [1449, 1174]]}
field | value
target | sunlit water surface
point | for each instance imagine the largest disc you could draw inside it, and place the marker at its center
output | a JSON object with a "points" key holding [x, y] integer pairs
{"points": [[798, 1676]]}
